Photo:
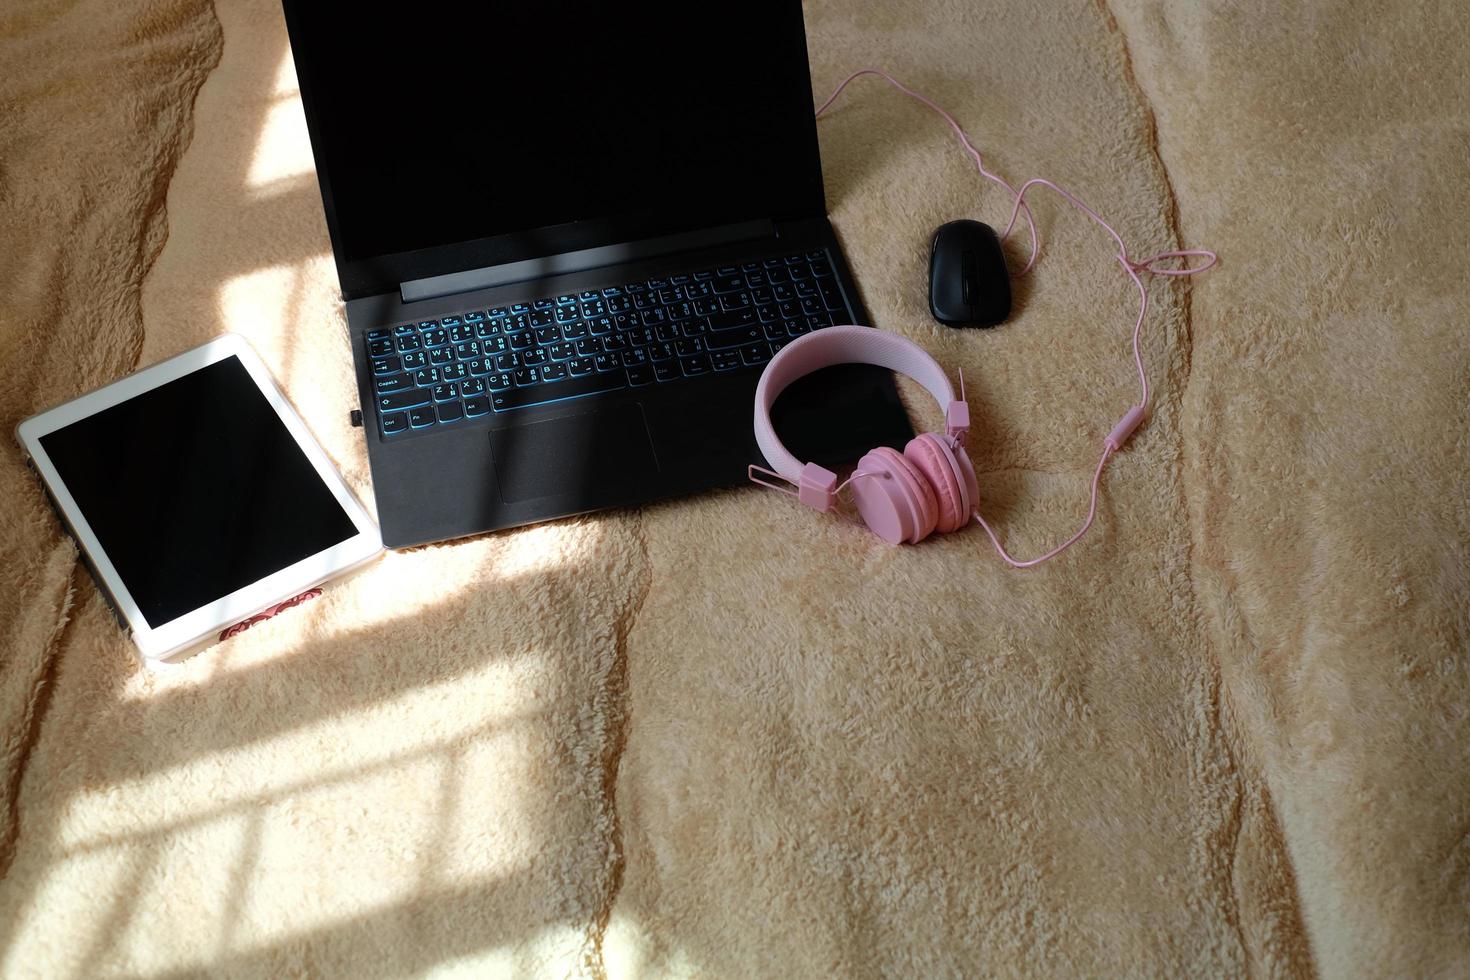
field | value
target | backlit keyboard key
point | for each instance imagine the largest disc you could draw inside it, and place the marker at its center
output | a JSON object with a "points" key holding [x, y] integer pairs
{"points": [[729, 321], [694, 366], [475, 407], [754, 354], [410, 398], [394, 422], [725, 360], [451, 412], [394, 382], [592, 384], [738, 337], [422, 418]]}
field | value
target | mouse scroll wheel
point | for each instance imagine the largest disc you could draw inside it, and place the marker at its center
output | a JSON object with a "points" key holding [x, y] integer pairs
{"points": [[968, 275]]}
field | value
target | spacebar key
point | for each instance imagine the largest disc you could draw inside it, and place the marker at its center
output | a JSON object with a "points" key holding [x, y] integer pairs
{"points": [[591, 384]]}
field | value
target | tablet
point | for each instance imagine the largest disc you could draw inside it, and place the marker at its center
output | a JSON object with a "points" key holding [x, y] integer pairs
{"points": [[197, 496]]}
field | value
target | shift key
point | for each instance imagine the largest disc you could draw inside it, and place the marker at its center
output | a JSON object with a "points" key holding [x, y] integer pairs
{"points": [[590, 384], [412, 398], [738, 337]]}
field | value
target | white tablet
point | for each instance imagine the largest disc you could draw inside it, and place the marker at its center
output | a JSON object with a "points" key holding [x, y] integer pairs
{"points": [[197, 495]]}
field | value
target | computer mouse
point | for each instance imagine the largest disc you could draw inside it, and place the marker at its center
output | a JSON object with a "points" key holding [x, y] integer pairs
{"points": [[968, 282]]}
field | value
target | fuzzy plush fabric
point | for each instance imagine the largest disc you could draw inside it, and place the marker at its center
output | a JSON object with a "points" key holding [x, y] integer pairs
{"points": [[1227, 733]]}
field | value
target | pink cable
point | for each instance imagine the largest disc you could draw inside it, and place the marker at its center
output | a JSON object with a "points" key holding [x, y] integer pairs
{"points": [[964, 141], [1134, 416]]}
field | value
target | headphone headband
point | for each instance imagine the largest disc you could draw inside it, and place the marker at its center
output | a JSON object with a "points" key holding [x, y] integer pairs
{"points": [[843, 345]]}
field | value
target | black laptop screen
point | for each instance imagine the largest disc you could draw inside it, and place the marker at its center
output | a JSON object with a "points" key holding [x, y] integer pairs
{"points": [[436, 123]]}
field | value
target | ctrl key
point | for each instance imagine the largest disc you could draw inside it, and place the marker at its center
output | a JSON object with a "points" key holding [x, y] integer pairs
{"points": [[393, 423]]}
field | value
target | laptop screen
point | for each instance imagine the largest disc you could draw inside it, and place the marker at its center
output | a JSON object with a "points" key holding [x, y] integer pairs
{"points": [[441, 123]]}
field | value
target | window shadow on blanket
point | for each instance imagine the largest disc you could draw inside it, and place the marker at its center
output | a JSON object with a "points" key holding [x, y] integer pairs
{"points": [[341, 790]]}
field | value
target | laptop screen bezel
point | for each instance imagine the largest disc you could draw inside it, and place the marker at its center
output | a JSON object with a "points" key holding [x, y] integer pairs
{"points": [[379, 274]]}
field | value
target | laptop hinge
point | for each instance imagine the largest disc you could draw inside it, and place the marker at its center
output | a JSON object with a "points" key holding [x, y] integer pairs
{"points": [[589, 258]]}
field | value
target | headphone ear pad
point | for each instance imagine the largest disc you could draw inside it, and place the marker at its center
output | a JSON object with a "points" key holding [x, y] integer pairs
{"points": [[893, 498], [934, 459]]}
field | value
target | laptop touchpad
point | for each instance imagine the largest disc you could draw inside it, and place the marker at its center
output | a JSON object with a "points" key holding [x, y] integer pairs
{"points": [[584, 455]]}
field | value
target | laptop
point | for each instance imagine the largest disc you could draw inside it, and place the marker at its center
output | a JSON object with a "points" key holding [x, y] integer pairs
{"points": [[569, 236]]}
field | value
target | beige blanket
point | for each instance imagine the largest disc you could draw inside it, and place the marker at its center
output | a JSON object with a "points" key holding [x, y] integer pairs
{"points": [[1229, 733]]}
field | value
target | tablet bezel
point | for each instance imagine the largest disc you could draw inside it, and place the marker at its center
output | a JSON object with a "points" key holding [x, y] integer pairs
{"points": [[204, 623]]}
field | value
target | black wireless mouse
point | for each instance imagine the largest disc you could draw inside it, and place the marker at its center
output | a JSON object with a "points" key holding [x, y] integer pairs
{"points": [[968, 282]]}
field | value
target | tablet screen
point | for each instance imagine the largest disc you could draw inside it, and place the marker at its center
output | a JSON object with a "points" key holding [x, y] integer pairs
{"points": [[196, 489]]}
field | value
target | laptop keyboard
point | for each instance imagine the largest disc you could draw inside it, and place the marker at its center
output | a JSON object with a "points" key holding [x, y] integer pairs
{"points": [[673, 330]]}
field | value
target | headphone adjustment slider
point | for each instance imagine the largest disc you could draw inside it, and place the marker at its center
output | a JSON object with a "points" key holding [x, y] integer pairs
{"points": [[818, 487], [957, 421]]}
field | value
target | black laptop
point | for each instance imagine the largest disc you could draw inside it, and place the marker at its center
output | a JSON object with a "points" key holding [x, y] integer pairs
{"points": [[569, 235]]}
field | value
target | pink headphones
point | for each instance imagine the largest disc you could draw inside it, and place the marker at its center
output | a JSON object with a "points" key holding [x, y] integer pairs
{"points": [[902, 497], [931, 486]]}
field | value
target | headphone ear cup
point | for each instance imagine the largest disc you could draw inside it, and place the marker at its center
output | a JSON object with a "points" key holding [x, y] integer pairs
{"points": [[967, 479], [934, 458], [893, 498]]}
